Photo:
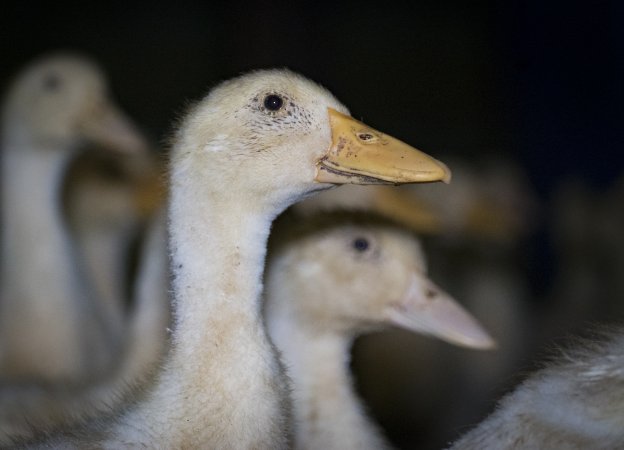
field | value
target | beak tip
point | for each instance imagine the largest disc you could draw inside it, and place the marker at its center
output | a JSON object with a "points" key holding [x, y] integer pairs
{"points": [[447, 175], [482, 341], [489, 344]]}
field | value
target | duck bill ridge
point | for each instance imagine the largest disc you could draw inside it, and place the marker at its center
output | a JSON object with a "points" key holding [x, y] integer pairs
{"points": [[360, 154]]}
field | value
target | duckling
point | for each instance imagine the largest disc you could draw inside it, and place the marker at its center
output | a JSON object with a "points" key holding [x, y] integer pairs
{"points": [[254, 146], [576, 402], [332, 279], [51, 328]]}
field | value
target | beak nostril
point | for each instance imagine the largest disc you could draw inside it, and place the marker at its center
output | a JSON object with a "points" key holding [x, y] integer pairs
{"points": [[430, 294], [365, 136]]}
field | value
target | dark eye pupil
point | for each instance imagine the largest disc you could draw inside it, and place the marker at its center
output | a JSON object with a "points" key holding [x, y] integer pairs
{"points": [[360, 244], [51, 82], [273, 102]]}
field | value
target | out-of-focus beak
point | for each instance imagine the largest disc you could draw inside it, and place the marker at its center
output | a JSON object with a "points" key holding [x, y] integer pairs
{"points": [[108, 127], [406, 209], [427, 309]]}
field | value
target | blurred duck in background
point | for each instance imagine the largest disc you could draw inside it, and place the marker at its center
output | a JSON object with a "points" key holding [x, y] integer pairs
{"points": [[28, 408], [329, 279], [53, 327], [472, 231], [490, 211], [574, 402], [106, 190], [221, 384]]}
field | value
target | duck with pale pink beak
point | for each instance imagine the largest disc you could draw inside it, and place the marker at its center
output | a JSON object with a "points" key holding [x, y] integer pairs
{"points": [[331, 278]]}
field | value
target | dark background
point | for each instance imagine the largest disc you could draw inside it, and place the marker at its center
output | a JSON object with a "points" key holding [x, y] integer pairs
{"points": [[535, 81], [538, 82]]}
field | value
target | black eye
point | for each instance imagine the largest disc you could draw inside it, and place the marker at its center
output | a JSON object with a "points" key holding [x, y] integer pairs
{"points": [[273, 102], [51, 82], [360, 244]]}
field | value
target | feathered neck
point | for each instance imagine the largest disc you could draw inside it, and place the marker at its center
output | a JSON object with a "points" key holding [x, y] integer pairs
{"points": [[221, 386], [327, 411]]}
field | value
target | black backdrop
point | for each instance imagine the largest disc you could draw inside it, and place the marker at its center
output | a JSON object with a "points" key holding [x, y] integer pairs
{"points": [[537, 81]]}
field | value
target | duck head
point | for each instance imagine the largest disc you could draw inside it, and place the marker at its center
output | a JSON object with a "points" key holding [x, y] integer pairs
{"points": [[63, 100], [353, 273], [277, 132]]}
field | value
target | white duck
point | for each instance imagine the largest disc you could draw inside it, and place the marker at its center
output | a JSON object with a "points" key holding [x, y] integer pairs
{"points": [[28, 407], [576, 403], [50, 327], [336, 278], [472, 230], [251, 148]]}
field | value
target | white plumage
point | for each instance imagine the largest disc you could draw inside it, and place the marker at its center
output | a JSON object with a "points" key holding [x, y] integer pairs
{"points": [[252, 147], [328, 282], [50, 323], [576, 402]]}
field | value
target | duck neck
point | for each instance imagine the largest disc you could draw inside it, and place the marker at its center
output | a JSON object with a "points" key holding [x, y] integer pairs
{"points": [[221, 373], [40, 288], [218, 255], [328, 413]]}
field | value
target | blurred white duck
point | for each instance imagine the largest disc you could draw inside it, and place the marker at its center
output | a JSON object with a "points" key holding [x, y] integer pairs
{"points": [[108, 198], [26, 408], [251, 148], [330, 281], [575, 403], [472, 230], [107, 203], [50, 324]]}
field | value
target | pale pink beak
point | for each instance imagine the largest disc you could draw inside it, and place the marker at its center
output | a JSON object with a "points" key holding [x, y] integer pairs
{"points": [[425, 308]]}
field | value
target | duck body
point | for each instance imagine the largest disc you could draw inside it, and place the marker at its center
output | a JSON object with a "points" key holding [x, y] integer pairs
{"points": [[35, 219], [575, 403], [50, 327], [28, 408]]}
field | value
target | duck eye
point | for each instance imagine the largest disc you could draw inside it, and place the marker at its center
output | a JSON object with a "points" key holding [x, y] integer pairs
{"points": [[273, 102], [360, 244], [51, 82]]}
